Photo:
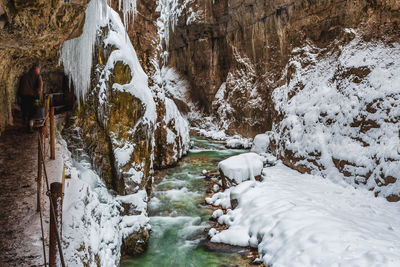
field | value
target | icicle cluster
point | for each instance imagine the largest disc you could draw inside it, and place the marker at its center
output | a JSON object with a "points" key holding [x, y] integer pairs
{"points": [[77, 54], [170, 10], [128, 9]]}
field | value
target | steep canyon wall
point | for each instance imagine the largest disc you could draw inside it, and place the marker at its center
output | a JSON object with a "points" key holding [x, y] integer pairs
{"points": [[247, 43]]}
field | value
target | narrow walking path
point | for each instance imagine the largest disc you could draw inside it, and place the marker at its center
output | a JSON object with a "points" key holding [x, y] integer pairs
{"points": [[19, 222]]}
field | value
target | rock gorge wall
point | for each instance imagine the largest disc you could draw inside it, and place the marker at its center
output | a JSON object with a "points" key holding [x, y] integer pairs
{"points": [[128, 126], [245, 45], [236, 53], [32, 31]]}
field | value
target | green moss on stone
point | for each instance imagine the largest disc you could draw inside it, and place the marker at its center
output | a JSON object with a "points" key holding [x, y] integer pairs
{"points": [[122, 73]]}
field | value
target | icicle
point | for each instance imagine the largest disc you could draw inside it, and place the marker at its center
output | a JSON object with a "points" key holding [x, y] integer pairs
{"points": [[77, 54], [170, 10], [128, 9]]}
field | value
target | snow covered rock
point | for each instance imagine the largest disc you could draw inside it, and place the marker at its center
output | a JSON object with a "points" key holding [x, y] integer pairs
{"points": [[126, 131], [171, 134], [238, 142], [341, 113], [95, 222], [117, 111], [260, 144], [237, 169]]}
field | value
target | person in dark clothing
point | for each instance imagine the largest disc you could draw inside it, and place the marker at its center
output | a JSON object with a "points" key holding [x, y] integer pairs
{"points": [[30, 91]]}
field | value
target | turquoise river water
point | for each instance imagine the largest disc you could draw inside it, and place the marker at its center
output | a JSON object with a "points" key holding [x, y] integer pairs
{"points": [[178, 216]]}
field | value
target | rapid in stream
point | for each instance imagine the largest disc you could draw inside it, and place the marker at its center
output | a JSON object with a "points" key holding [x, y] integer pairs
{"points": [[179, 217]]}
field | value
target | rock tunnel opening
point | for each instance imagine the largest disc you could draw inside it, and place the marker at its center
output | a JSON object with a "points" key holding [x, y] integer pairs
{"points": [[56, 84]]}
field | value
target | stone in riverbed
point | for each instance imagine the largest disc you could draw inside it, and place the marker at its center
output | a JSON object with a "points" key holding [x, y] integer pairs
{"points": [[240, 168]]}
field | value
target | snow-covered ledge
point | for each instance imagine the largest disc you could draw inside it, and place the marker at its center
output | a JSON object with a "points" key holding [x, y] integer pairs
{"points": [[298, 219]]}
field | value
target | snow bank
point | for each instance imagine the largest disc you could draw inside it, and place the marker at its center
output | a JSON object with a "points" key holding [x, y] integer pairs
{"points": [[302, 220], [93, 227], [341, 113], [241, 167]]}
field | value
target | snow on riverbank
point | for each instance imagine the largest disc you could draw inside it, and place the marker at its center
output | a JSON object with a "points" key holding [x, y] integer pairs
{"points": [[304, 220], [93, 227], [340, 121]]}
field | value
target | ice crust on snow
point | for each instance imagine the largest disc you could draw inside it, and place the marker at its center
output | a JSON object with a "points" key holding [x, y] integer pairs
{"points": [[303, 220], [242, 167]]}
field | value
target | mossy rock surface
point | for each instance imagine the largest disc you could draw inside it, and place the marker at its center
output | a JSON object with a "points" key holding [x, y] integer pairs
{"points": [[122, 73], [125, 112]]}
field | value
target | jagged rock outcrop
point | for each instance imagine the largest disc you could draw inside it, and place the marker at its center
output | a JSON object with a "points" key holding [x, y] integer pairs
{"points": [[143, 32], [32, 31], [244, 45]]}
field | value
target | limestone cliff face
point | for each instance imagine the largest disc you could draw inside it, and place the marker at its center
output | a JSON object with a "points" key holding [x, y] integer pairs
{"points": [[144, 36], [246, 44], [32, 31], [143, 32]]}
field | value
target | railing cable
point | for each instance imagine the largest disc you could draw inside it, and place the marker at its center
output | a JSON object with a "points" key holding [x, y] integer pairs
{"points": [[43, 242], [52, 212]]}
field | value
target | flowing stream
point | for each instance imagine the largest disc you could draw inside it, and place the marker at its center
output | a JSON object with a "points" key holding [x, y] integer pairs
{"points": [[179, 218]]}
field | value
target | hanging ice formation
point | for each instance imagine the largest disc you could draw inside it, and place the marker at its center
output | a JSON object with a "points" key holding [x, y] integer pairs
{"points": [[128, 9], [170, 10], [76, 54]]}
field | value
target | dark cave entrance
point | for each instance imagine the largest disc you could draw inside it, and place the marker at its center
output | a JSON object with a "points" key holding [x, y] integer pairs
{"points": [[56, 84]]}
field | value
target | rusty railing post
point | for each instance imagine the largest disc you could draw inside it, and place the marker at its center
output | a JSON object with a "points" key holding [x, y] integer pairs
{"points": [[46, 112], [39, 173], [55, 226], [52, 135]]}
